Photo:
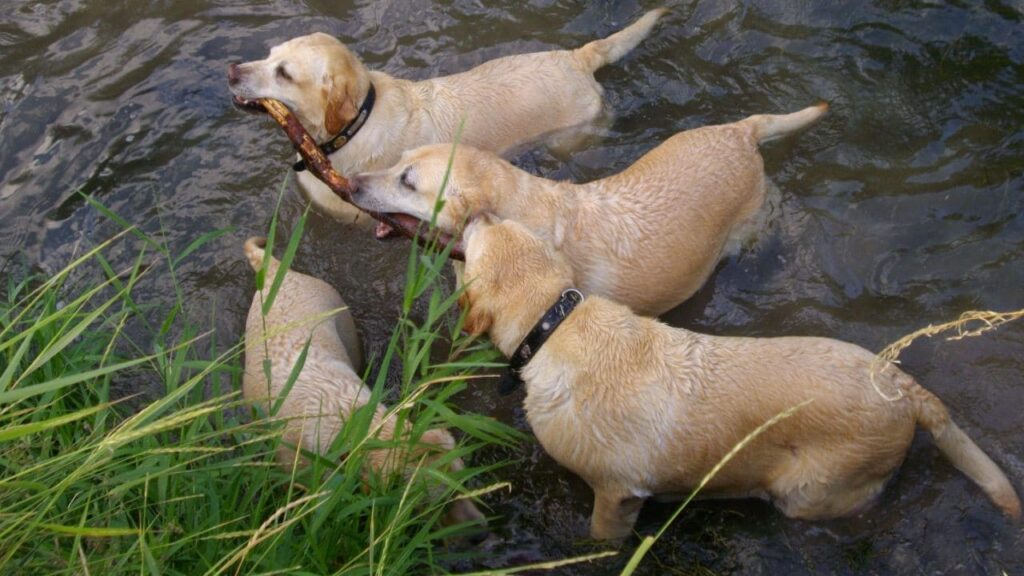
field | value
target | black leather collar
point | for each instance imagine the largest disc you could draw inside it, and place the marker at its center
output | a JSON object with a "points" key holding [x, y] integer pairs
{"points": [[348, 132], [548, 323]]}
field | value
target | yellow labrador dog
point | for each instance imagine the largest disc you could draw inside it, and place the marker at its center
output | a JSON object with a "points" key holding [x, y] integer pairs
{"points": [[638, 408], [647, 237], [504, 103], [328, 388]]}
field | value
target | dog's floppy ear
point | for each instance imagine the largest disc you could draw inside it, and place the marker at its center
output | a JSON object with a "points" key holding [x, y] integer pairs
{"points": [[341, 107], [477, 320]]}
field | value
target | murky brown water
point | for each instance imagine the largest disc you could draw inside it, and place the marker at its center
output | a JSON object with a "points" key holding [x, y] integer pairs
{"points": [[902, 208]]}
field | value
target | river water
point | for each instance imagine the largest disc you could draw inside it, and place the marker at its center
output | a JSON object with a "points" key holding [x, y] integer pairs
{"points": [[902, 208]]}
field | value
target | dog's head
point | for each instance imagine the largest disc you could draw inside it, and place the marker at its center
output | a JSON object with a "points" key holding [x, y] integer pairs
{"points": [[510, 274], [413, 185], [315, 76]]}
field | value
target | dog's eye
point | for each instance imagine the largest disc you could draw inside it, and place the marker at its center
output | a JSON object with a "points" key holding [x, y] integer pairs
{"points": [[406, 179], [282, 73]]}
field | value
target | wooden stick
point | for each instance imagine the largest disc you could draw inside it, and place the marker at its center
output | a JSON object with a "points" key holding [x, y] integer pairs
{"points": [[318, 164]]}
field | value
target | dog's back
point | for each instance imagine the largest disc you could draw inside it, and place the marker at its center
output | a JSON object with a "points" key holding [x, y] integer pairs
{"points": [[305, 309], [327, 389], [508, 102]]}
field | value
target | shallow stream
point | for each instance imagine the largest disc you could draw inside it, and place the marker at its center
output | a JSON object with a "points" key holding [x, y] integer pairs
{"points": [[903, 207]]}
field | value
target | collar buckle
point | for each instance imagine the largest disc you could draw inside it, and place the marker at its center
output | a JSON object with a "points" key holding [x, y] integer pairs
{"points": [[542, 330], [572, 294]]}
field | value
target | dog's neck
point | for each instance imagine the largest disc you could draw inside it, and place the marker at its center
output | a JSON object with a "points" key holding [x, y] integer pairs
{"points": [[513, 323], [544, 206], [370, 149], [335, 142]]}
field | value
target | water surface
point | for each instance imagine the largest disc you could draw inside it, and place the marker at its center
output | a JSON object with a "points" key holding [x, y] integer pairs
{"points": [[902, 208]]}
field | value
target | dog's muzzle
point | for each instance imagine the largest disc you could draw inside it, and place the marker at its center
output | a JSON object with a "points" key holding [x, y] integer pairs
{"points": [[234, 78], [247, 105]]}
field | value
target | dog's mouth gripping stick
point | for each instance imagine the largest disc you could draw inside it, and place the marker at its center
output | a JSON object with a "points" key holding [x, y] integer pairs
{"points": [[318, 164]]}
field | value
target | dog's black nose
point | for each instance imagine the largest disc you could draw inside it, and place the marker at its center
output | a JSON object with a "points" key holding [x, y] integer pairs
{"points": [[234, 74]]}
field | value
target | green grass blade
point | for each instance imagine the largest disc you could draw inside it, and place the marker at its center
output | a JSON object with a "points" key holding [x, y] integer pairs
{"points": [[16, 431], [648, 542], [286, 262], [13, 363], [87, 531], [70, 380], [292, 377], [199, 242]]}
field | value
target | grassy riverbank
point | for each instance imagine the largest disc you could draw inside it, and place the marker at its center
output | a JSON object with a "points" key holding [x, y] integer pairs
{"points": [[187, 484], [96, 482]]}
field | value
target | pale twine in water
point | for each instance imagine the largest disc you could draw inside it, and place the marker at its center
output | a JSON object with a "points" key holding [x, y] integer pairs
{"points": [[989, 321]]}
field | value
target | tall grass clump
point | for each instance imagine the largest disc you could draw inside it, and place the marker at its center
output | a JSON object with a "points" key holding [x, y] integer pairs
{"points": [[187, 483]]}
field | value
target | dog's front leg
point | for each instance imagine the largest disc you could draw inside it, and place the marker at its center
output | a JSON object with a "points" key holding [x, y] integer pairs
{"points": [[615, 513]]}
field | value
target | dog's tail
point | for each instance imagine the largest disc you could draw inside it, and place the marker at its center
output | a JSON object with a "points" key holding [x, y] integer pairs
{"points": [[607, 50], [932, 415], [771, 126], [255, 251]]}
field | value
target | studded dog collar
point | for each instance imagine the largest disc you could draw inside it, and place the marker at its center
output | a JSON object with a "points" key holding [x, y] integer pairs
{"points": [[542, 330], [348, 132]]}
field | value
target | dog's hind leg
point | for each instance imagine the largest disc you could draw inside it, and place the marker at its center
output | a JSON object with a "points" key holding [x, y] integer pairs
{"points": [[614, 514], [821, 501]]}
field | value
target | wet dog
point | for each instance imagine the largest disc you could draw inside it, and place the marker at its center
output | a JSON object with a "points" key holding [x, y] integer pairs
{"points": [[647, 237], [638, 409], [502, 104], [328, 388]]}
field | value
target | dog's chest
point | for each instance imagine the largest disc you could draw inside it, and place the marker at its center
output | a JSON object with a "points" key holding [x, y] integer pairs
{"points": [[550, 406]]}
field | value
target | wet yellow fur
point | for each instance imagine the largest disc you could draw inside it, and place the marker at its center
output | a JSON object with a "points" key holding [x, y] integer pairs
{"points": [[647, 237], [637, 408], [328, 388], [502, 104]]}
